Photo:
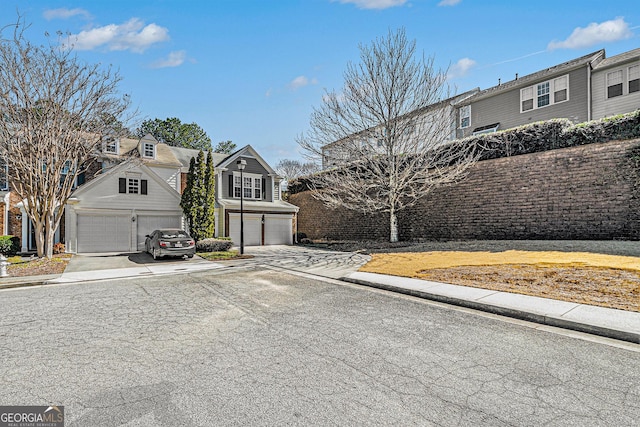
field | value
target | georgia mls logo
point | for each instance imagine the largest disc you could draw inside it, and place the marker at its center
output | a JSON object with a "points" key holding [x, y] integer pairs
{"points": [[31, 416]]}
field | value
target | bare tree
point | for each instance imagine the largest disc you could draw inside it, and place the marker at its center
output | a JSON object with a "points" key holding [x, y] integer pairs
{"points": [[55, 110], [385, 139], [290, 169]]}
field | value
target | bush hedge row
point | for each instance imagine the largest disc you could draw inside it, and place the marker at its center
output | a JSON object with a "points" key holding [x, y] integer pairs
{"points": [[9, 245], [554, 134], [213, 245]]}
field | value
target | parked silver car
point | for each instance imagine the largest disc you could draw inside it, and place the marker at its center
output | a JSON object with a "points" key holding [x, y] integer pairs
{"points": [[170, 242]]}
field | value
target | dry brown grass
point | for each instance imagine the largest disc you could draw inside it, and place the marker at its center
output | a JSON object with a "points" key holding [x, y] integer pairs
{"points": [[595, 279], [38, 266]]}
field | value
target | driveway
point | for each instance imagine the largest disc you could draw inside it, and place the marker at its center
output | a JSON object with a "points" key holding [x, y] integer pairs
{"points": [[108, 261], [321, 262]]}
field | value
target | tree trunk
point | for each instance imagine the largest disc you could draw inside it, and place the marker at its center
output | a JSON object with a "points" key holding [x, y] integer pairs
{"points": [[393, 225]]}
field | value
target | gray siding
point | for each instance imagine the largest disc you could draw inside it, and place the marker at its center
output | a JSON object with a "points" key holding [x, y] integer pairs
{"points": [[504, 108], [626, 103], [253, 167]]}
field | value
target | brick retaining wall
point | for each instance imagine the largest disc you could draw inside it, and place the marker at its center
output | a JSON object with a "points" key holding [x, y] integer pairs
{"points": [[586, 192]]}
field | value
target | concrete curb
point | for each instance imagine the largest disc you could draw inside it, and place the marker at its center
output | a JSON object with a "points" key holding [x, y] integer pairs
{"points": [[545, 319]]}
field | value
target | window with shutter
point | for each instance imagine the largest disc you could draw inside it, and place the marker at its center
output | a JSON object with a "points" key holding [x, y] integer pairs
{"points": [[614, 84], [634, 78]]}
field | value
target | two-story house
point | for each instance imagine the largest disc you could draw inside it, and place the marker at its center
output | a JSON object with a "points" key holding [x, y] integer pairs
{"points": [[561, 91], [615, 85], [135, 186]]}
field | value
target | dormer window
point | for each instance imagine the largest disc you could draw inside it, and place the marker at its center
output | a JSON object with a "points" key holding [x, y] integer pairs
{"points": [[149, 150], [111, 145]]}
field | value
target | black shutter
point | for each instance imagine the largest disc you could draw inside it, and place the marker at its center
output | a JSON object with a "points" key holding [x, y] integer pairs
{"points": [[122, 185], [81, 178], [231, 186], [143, 186], [264, 188]]}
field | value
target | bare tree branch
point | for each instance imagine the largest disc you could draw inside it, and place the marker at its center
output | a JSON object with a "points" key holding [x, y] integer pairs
{"points": [[55, 111], [385, 140]]}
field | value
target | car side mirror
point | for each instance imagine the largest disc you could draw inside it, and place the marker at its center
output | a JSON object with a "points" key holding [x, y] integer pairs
{"points": [[146, 235]]}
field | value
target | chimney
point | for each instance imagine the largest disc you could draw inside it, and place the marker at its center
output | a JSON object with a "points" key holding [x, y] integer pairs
{"points": [[516, 76]]}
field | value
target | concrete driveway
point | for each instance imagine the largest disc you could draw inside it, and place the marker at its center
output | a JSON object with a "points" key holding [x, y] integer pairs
{"points": [[108, 261]]}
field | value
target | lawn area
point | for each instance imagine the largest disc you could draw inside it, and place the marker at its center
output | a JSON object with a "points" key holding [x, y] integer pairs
{"points": [[587, 278], [21, 267], [222, 256]]}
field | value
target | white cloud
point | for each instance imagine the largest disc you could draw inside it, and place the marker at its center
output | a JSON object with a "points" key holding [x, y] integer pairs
{"points": [[374, 4], [594, 33], [174, 59], [461, 68], [449, 2], [301, 81], [133, 35], [64, 13]]}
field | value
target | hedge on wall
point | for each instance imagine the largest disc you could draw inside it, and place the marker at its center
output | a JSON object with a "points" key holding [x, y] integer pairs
{"points": [[554, 134], [540, 136]]}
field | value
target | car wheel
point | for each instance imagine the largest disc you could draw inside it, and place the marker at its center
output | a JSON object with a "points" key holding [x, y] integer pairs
{"points": [[190, 256]]}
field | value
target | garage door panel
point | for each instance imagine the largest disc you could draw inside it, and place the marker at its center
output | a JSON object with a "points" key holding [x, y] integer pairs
{"points": [[252, 229], [278, 230], [149, 223], [104, 233]]}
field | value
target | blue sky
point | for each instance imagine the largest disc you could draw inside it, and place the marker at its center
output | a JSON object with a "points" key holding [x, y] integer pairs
{"points": [[252, 70]]}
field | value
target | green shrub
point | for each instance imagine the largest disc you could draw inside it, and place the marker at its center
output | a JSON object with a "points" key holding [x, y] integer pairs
{"points": [[9, 245], [214, 245]]}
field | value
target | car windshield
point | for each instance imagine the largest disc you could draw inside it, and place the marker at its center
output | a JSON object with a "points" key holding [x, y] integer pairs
{"points": [[173, 234]]}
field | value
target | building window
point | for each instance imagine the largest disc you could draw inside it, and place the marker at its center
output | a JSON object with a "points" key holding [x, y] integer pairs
{"points": [[543, 94], [526, 97], [614, 84], [465, 116], [252, 186], [634, 78], [4, 174], [540, 94], [110, 145], [149, 150], [132, 186], [560, 89]]}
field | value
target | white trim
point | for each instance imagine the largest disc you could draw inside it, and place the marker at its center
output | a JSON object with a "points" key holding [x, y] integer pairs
{"points": [[465, 113], [547, 88]]}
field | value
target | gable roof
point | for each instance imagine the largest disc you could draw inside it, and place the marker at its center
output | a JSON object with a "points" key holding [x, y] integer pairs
{"points": [[184, 155], [632, 55], [246, 151], [593, 58], [128, 164]]}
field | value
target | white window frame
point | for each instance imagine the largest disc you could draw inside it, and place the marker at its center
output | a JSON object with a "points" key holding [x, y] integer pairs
{"points": [[614, 78], [148, 150], [465, 113], [249, 190], [133, 185], [111, 145], [633, 73], [533, 92]]}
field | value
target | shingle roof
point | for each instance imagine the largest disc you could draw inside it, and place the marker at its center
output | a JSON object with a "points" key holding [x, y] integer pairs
{"points": [[632, 55], [539, 75]]}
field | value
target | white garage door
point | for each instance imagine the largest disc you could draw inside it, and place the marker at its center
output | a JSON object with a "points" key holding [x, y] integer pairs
{"points": [[148, 223], [104, 233], [252, 229], [278, 230]]}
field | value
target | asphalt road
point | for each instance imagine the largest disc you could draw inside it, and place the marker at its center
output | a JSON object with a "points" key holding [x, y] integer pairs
{"points": [[269, 348]]}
